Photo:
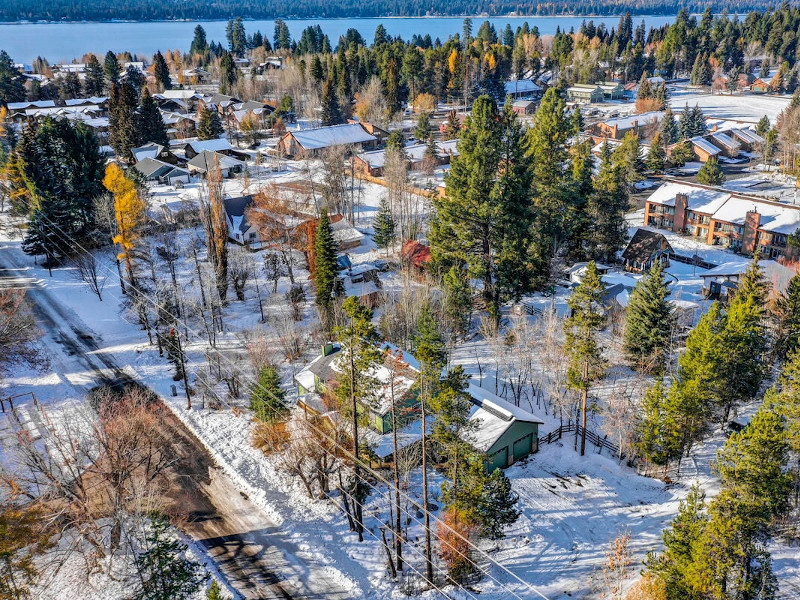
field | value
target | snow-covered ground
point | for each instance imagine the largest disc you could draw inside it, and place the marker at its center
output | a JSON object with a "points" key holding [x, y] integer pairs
{"points": [[572, 507], [741, 108]]}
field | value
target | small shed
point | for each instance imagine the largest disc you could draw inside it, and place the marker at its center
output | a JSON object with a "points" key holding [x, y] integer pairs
{"points": [[644, 249], [524, 107]]}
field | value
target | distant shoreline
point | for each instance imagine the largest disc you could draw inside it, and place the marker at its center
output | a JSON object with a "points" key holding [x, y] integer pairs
{"points": [[310, 18]]}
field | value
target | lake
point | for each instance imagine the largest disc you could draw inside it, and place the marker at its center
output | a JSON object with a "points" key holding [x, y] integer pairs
{"points": [[59, 42]]}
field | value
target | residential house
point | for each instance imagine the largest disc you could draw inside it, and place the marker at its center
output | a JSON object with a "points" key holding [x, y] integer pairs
{"points": [[373, 162], [643, 125], [585, 93], [372, 129], [703, 149], [300, 142], [722, 218], [748, 139], [577, 271], [524, 107], [347, 236], [416, 255], [153, 169], [207, 160], [613, 90], [645, 248], [197, 75], [723, 280], [765, 83], [523, 88], [156, 151], [728, 146]]}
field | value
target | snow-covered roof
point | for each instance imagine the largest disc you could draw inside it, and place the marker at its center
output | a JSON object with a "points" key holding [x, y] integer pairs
{"points": [[334, 135], [725, 140], [82, 101], [146, 151], [777, 218], [705, 146], [746, 135], [494, 416], [31, 104], [631, 120], [346, 233], [522, 86], [201, 161], [701, 199], [180, 94], [215, 145]]}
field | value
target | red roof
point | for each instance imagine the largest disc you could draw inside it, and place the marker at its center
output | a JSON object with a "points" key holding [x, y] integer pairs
{"points": [[415, 253]]}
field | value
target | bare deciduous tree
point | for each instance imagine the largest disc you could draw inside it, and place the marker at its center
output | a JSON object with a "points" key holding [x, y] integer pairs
{"points": [[89, 270], [240, 267]]}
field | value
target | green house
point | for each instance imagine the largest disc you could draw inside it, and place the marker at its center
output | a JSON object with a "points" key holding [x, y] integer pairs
{"points": [[313, 380], [585, 93], [504, 433]]}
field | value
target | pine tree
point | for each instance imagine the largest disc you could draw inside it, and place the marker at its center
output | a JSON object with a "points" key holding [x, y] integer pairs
{"points": [[11, 86], [452, 126], [586, 363], [356, 384], [199, 45], [711, 173], [498, 506], [700, 74], [423, 125], [209, 126], [579, 244], [649, 323], [267, 397], [228, 74], [237, 38], [787, 310], [577, 121], [122, 109], [685, 125], [214, 592], [383, 228], [654, 433], [326, 271], [628, 157], [465, 225], [150, 124], [430, 352], [317, 72], [669, 128], [656, 156], [161, 72], [164, 571], [682, 153], [457, 299], [698, 122], [94, 82], [331, 110], [763, 125], [112, 69], [607, 207], [553, 196]]}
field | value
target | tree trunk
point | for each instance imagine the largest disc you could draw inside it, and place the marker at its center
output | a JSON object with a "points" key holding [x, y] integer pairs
{"points": [[428, 550]]}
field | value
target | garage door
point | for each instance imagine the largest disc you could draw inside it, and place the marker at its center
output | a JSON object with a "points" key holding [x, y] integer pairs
{"points": [[499, 460], [522, 447]]}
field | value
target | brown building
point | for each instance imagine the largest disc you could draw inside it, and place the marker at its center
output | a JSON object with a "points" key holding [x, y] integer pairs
{"points": [[644, 126], [721, 218]]}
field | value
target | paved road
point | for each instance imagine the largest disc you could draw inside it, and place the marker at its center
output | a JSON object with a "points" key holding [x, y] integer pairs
{"points": [[249, 549]]}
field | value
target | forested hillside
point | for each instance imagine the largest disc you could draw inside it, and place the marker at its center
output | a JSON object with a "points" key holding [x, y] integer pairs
{"points": [[144, 10]]}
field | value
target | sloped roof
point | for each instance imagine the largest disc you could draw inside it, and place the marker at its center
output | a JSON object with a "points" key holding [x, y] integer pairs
{"points": [[201, 161], [334, 135], [151, 168], [522, 86], [151, 150], [236, 211], [416, 253], [643, 244], [725, 140], [705, 146], [493, 416], [215, 145], [701, 199]]}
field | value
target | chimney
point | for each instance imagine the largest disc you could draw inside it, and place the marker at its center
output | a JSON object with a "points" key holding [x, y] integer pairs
{"points": [[681, 204], [752, 222]]}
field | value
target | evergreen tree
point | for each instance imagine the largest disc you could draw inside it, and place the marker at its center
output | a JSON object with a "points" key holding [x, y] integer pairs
{"points": [[331, 110], [383, 228], [112, 69], [553, 197], [763, 126], [423, 125], [457, 299], [317, 73], [579, 244], [70, 86], [698, 122], [214, 592], [586, 363], [164, 571], [11, 86], [649, 322], [577, 121], [787, 311], [498, 506], [682, 153], [236, 36], [267, 397], [452, 126], [608, 205], [94, 82], [161, 72], [326, 270], [656, 157], [685, 125], [669, 128], [150, 124], [466, 223], [199, 45], [135, 78], [700, 74], [711, 173], [122, 120], [209, 126], [655, 439], [228, 74], [281, 39]]}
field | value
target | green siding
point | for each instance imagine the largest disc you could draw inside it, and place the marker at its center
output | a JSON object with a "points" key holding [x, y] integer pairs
{"points": [[520, 440]]}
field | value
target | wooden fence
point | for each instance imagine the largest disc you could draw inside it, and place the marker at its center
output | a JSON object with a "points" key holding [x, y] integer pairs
{"points": [[591, 436]]}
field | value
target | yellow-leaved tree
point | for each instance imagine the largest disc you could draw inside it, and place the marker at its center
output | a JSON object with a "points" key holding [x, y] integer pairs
{"points": [[129, 211]]}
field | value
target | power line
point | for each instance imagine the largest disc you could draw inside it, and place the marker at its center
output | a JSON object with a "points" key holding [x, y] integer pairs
{"points": [[339, 446]]}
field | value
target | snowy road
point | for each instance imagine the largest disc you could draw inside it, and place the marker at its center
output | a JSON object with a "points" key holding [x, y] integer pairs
{"points": [[249, 549]]}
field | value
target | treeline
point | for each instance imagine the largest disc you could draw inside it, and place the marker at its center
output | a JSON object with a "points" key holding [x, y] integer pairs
{"points": [[148, 10]]}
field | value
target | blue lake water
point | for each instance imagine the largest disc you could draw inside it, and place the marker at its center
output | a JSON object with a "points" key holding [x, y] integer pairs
{"points": [[64, 41]]}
